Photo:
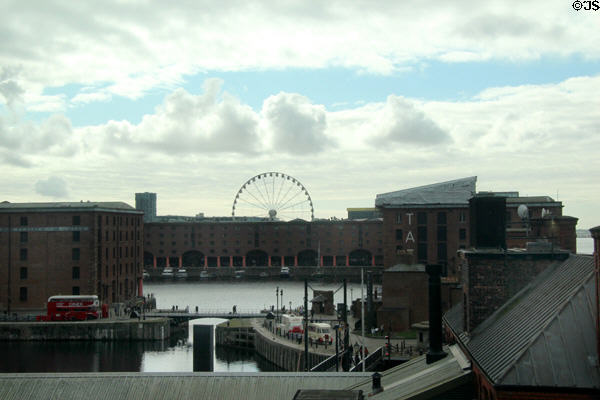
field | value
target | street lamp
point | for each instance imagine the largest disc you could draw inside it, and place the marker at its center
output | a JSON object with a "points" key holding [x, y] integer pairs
{"points": [[281, 293], [277, 308]]}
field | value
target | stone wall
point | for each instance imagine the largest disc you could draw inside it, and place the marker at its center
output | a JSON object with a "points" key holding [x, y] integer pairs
{"points": [[154, 329]]}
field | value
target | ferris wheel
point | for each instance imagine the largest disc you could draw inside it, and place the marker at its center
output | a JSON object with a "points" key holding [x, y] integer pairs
{"points": [[273, 195]]}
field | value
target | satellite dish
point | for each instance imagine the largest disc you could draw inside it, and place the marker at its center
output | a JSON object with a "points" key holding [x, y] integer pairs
{"points": [[523, 211]]}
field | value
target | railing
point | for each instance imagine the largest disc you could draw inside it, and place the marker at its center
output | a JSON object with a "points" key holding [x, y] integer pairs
{"points": [[371, 361]]}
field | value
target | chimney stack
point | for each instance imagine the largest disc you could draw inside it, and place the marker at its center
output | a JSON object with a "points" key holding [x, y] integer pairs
{"points": [[435, 314]]}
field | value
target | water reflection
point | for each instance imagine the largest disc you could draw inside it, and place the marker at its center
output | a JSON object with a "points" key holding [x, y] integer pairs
{"points": [[173, 355]]}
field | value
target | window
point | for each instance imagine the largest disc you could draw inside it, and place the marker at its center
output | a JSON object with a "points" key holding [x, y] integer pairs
{"points": [[462, 217], [76, 220], [75, 254], [24, 237], [75, 291], [23, 255], [422, 252], [441, 233], [75, 273], [422, 233], [441, 218], [23, 293], [76, 236], [442, 253], [24, 222], [398, 218], [462, 234], [398, 234], [422, 218], [23, 272]]}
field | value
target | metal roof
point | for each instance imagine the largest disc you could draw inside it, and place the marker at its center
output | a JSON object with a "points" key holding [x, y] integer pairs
{"points": [[453, 192], [544, 335], [416, 377], [66, 206], [180, 386]]}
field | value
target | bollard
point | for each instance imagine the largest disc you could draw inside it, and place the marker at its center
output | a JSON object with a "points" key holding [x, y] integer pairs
{"points": [[376, 383]]}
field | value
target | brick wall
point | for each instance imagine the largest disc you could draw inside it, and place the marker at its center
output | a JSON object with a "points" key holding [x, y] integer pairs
{"points": [[490, 278]]}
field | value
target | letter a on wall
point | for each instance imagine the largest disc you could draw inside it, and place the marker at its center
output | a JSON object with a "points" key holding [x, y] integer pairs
{"points": [[409, 236]]}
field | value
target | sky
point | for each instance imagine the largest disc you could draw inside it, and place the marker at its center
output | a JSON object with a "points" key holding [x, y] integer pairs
{"points": [[190, 99]]}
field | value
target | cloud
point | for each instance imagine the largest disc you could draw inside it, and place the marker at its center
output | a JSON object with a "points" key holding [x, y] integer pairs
{"points": [[130, 47], [52, 187], [212, 122], [399, 122], [296, 126], [9, 88]]}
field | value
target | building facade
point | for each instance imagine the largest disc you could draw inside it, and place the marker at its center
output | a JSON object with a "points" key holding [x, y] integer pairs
{"points": [[214, 244], [86, 248], [429, 224], [146, 202]]}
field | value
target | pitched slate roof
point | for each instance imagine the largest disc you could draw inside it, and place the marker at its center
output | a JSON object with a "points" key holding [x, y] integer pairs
{"points": [[417, 379], [453, 192], [544, 335], [179, 386]]}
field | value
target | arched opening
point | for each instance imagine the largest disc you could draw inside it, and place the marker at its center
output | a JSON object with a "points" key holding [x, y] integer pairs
{"points": [[148, 259], [257, 258], [193, 258], [360, 257], [307, 258]]}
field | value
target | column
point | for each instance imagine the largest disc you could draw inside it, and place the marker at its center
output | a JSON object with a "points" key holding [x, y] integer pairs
{"points": [[180, 261], [347, 261], [321, 261], [269, 260], [218, 261], [167, 260], [335, 261], [231, 261], [140, 288], [154, 261], [295, 261], [373, 260], [243, 261], [205, 261], [282, 259]]}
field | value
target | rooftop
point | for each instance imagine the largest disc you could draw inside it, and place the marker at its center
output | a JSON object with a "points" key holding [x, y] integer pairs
{"points": [[6, 206], [179, 386], [544, 335], [457, 191]]}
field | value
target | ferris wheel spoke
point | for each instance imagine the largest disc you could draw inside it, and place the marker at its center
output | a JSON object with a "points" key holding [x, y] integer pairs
{"points": [[267, 193], [265, 202], [282, 202], [262, 203], [253, 204], [281, 207], [279, 192], [294, 205]]}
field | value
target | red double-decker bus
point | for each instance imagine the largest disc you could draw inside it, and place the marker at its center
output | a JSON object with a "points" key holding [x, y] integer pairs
{"points": [[71, 308]]}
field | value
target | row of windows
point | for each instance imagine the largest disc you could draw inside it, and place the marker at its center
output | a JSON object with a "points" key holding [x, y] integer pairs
{"points": [[441, 234], [23, 274], [23, 292], [422, 217]]}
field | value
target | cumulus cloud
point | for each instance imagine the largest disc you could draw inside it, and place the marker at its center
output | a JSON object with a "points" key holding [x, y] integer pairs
{"points": [[52, 187], [296, 126], [400, 122], [186, 123]]}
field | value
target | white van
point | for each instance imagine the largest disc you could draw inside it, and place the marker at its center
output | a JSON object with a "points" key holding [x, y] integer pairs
{"points": [[320, 332], [292, 323]]}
